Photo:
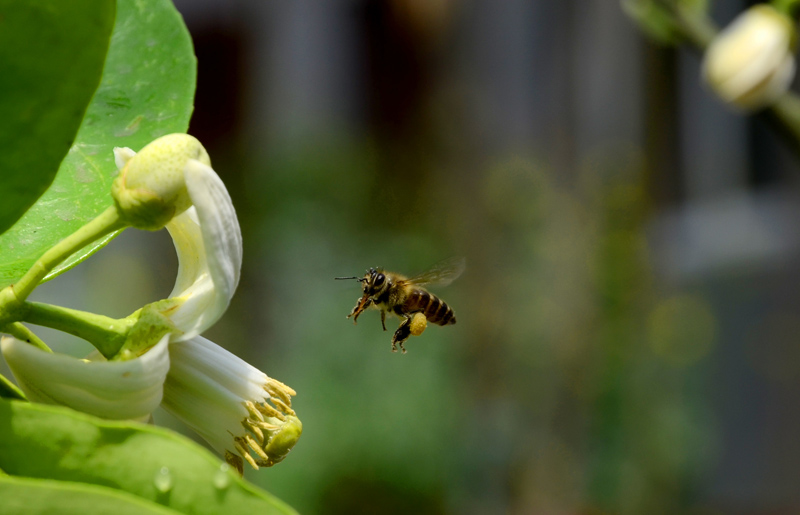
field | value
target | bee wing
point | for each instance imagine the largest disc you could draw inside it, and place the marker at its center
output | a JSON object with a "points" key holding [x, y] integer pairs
{"points": [[442, 273]]}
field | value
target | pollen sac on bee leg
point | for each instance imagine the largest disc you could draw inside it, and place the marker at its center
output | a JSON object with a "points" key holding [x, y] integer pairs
{"points": [[418, 323]]}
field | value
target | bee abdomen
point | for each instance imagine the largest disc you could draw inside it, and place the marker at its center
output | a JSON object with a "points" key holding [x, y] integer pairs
{"points": [[435, 309]]}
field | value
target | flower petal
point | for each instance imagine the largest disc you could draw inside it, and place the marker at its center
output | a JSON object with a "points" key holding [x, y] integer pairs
{"points": [[109, 389], [194, 283], [122, 155], [221, 234], [199, 389], [227, 401], [208, 241]]}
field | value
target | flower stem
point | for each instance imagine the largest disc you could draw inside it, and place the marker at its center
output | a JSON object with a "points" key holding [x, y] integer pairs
{"points": [[785, 113], [699, 30], [106, 334], [787, 7], [107, 222], [20, 332]]}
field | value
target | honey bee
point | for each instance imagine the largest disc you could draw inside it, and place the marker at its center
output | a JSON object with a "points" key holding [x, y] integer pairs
{"points": [[407, 299]]}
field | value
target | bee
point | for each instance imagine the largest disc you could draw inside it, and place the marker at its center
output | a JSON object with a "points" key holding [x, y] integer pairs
{"points": [[407, 299]]}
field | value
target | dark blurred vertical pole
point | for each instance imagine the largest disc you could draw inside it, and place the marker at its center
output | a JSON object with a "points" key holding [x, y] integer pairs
{"points": [[304, 73], [402, 42], [713, 144], [661, 140], [608, 80]]}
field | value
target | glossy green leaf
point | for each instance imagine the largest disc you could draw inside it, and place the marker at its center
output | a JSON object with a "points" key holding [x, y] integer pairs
{"points": [[34, 496], [51, 59], [157, 465], [147, 91]]}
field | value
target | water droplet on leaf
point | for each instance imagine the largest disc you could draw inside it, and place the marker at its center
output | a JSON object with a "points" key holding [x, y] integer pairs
{"points": [[222, 478], [163, 480]]}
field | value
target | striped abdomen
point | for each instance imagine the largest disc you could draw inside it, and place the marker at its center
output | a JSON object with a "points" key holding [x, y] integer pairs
{"points": [[435, 309]]}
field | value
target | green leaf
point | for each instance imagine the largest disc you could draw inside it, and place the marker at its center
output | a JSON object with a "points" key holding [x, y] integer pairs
{"points": [[33, 496], [157, 465], [147, 90], [51, 56]]}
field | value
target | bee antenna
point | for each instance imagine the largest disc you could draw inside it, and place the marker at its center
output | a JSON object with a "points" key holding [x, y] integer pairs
{"points": [[345, 278]]}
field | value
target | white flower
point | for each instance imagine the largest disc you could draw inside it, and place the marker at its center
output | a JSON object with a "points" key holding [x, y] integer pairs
{"points": [[222, 397], [208, 241], [209, 246], [750, 64], [110, 389], [236, 408]]}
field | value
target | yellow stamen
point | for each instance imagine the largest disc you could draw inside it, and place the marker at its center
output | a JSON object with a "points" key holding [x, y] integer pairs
{"points": [[288, 389], [275, 391], [237, 442], [283, 407], [269, 411], [251, 408], [266, 425], [256, 447], [248, 425]]}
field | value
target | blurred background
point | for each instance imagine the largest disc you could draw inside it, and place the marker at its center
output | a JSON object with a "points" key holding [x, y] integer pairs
{"points": [[627, 324]]}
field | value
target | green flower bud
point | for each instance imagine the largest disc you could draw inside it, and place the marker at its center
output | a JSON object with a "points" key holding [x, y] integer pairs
{"points": [[150, 189]]}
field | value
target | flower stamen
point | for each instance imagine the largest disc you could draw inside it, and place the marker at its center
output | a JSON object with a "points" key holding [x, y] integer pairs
{"points": [[251, 408], [269, 411], [247, 424], [253, 444], [260, 427], [276, 388], [283, 407], [265, 425], [235, 461], [237, 443], [264, 442]]}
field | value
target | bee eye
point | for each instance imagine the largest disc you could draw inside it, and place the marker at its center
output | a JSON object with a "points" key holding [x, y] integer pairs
{"points": [[379, 279]]}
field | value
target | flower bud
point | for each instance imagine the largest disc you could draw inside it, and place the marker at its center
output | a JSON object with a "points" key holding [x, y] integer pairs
{"points": [[150, 189], [750, 64]]}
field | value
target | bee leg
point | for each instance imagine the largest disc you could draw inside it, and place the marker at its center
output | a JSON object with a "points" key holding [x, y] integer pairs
{"points": [[383, 319], [361, 305], [401, 335]]}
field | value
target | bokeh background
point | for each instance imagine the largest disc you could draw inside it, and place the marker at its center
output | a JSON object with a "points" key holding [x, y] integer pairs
{"points": [[627, 325]]}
